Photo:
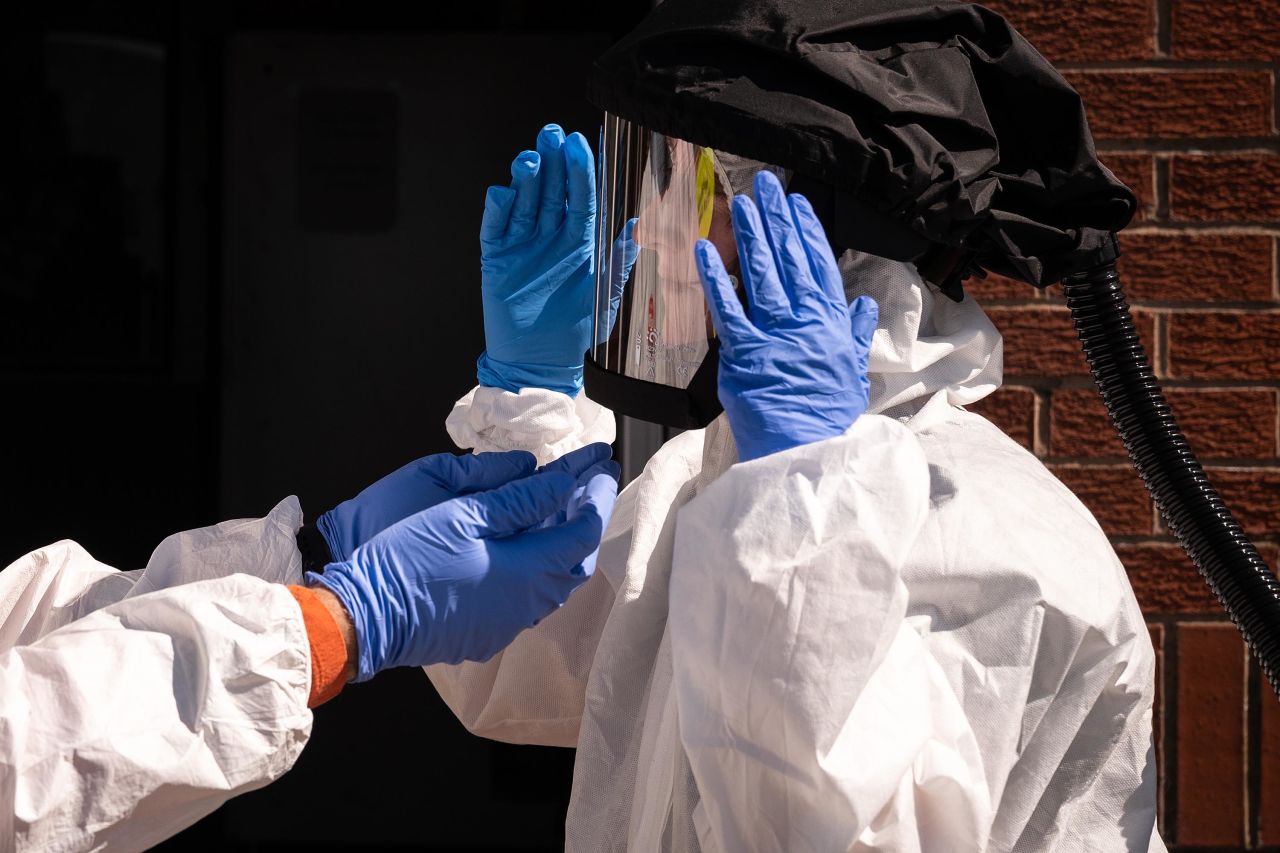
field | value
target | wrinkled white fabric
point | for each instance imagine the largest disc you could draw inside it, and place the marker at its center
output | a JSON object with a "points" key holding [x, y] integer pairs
{"points": [[134, 703], [932, 344], [546, 423], [911, 637], [743, 621]]}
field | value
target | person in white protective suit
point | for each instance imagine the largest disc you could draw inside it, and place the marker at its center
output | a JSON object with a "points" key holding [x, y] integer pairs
{"points": [[906, 636], [134, 703]]}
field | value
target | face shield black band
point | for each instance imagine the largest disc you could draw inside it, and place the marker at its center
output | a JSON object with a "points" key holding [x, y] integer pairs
{"points": [[682, 408]]}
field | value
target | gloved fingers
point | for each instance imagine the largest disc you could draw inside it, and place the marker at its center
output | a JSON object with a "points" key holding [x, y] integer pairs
{"points": [[864, 314], [590, 509], [555, 588], [727, 316], [767, 300], [581, 181], [333, 534], [551, 198], [497, 211], [822, 261], [547, 592], [524, 180], [518, 505], [555, 551], [575, 462], [479, 472], [594, 491], [562, 550], [623, 258], [584, 478], [780, 228]]}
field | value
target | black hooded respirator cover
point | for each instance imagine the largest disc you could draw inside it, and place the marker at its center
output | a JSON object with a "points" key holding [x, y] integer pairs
{"points": [[920, 131]]}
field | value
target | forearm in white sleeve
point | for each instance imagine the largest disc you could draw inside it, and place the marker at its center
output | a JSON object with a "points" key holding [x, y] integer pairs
{"points": [[810, 710], [532, 692], [548, 424], [60, 583], [123, 727]]}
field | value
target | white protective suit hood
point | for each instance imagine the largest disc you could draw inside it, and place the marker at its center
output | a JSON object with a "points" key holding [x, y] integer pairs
{"points": [[925, 342]]}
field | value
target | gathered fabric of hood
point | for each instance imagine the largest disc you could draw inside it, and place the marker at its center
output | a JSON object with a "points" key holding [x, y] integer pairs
{"points": [[926, 343]]}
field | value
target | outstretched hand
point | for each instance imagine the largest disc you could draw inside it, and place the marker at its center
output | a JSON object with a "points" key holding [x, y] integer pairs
{"points": [[460, 580], [793, 369], [536, 249]]}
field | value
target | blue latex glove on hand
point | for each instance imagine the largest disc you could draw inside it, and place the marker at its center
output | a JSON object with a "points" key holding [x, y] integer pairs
{"points": [[796, 371], [460, 580], [419, 485], [536, 248], [625, 251]]}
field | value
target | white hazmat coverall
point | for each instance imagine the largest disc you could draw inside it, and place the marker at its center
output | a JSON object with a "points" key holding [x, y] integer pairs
{"points": [[134, 703], [911, 637]]}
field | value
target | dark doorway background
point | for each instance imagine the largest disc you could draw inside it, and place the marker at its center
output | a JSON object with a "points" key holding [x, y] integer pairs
{"points": [[238, 261]]}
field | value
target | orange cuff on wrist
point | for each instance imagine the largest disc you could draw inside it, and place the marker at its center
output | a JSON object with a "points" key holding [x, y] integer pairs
{"points": [[328, 651]]}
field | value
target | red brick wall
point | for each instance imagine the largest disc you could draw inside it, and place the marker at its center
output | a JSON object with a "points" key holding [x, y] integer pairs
{"points": [[1181, 97]]}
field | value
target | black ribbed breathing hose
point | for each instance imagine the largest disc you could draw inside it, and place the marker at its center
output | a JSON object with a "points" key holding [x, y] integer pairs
{"points": [[1191, 507]]}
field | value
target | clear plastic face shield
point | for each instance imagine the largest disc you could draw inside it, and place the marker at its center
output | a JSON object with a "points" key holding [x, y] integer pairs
{"points": [[658, 197], [654, 351]]}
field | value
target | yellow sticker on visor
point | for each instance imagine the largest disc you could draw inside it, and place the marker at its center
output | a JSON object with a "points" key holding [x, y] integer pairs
{"points": [[706, 191]]}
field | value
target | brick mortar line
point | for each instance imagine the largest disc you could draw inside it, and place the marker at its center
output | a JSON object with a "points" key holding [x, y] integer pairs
{"points": [[1246, 744], [1275, 271], [1159, 727], [1160, 356], [1253, 697], [1233, 464], [1162, 28], [1265, 309], [1166, 65], [1174, 306], [1169, 706], [1160, 187], [1157, 521], [1200, 618], [1040, 424], [1155, 306], [1265, 386], [1209, 466], [1157, 185], [1193, 145], [1275, 104], [1131, 539], [1080, 382], [1159, 309], [1169, 229], [1192, 226]]}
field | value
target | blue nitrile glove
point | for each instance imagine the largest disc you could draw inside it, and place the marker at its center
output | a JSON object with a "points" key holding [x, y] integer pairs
{"points": [[460, 580], [625, 250], [419, 485], [796, 371], [536, 247]]}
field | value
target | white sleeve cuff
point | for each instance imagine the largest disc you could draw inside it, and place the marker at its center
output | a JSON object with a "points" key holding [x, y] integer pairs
{"points": [[548, 424]]}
